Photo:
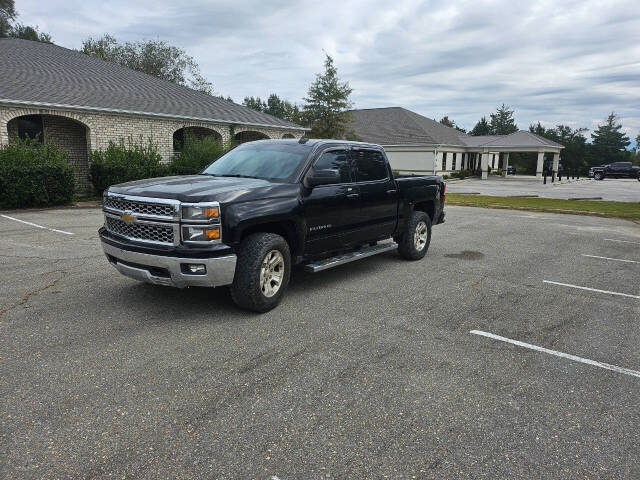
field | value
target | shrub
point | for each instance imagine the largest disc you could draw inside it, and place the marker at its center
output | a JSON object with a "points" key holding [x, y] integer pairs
{"points": [[121, 163], [34, 174], [196, 155]]}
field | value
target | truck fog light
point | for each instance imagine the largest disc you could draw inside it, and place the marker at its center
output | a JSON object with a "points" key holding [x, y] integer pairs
{"points": [[194, 268]]}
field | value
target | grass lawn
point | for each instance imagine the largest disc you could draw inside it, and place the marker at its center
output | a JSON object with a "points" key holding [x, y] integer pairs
{"points": [[628, 210]]}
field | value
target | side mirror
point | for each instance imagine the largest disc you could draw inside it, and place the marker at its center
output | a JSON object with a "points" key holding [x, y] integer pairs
{"points": [[323, 177]]}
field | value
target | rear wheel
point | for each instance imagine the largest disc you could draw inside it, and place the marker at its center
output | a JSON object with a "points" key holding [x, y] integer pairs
{"points": [[262, 272], [414, 243]]}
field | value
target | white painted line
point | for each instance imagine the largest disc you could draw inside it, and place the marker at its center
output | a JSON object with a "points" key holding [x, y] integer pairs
{"points": [[591, 289], [609, 258], [626, 371], [35, 225], [621, 241]]}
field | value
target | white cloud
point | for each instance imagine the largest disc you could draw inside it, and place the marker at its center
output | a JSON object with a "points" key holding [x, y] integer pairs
{"points": [[571, 62]]}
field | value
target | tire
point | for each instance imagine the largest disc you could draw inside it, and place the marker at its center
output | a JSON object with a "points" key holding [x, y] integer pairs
{"points": [[250, 289], [598, 176], [410, 246]]}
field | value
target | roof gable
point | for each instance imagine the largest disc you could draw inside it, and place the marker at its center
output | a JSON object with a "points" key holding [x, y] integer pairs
{"points": [[41, 73], [399, 126]]}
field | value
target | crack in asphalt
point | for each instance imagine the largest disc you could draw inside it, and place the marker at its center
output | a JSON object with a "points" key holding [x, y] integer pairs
{"points": [[28, 295]]}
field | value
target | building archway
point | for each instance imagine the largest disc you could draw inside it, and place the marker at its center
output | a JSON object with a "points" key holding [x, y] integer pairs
{"points": [[248, 136], [186, 134], [66, 133]]}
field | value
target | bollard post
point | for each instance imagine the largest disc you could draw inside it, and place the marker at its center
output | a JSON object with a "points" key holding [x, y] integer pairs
{"points": [[544, 178], [553, 177]]}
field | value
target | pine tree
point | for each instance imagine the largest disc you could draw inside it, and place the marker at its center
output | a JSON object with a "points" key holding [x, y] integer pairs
{"points": [[481, 128], [254, 103], [609, 141], [502, 122], [327, 103]]}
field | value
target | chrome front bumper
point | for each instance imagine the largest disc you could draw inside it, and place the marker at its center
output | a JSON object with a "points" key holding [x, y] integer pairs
{"points": [[161, 270]]}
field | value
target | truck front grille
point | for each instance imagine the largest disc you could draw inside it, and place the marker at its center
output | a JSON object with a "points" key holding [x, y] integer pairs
{"points": [[122, 204], [143, 232]]}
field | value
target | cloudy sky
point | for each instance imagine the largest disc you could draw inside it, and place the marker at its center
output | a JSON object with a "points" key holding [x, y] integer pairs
{"points": [[552, 61]]}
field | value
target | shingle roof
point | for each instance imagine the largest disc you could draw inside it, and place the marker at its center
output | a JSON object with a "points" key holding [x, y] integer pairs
{"points": [[399, 126], [521, 138], [35, 72]]}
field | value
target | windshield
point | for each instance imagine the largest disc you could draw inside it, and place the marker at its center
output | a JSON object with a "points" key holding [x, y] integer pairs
{"points": [[267, 160]]}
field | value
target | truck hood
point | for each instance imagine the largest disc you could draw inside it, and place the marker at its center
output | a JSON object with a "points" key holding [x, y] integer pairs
{"points": [[205, 188]]}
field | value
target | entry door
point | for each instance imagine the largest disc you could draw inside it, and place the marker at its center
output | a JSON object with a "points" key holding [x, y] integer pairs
{"points": [[378, 195], [331, 211]]}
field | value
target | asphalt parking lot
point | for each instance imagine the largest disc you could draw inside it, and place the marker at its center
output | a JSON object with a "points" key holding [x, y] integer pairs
{"points": [[369, 370], [612, 189]]}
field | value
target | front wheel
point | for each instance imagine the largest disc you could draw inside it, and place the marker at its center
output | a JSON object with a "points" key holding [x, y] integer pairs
{"points": [[598, 176], [262, 272], [414, 243]]}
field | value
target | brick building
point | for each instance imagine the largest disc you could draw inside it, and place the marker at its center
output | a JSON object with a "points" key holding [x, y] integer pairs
{"points": [[81, 103]]}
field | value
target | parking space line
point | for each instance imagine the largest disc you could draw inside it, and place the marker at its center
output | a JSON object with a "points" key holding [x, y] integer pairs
{"points": [[621, 241], [609, 258], [36, 225], [607, 366], [591, 289]]}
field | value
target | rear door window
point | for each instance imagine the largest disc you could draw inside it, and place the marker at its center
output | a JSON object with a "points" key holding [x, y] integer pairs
{"points": [[370, 165], [335, 160]]}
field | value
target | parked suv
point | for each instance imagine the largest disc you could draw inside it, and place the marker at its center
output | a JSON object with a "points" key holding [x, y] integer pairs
{"points": [[617, 169], [264, 207]]}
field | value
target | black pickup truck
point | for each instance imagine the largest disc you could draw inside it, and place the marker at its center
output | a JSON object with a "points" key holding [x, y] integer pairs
{"points": [[263, 207], [617, 169]]}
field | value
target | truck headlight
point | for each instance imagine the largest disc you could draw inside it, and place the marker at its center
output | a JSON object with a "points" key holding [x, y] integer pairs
{"points": [[204, 212], [201, 234]]}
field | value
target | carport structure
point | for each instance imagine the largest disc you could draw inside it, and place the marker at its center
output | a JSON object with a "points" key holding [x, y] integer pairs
{"points": [[486, 148], [417, 144]]}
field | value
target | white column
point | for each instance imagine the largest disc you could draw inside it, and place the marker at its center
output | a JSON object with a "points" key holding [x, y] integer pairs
{"points": [[505, 165], [556, 161], [484, 164], [540, 164]]}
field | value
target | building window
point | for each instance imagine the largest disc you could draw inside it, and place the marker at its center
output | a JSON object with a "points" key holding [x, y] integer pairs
{"points": [[444, 160], [493, 161], [453, 164]]}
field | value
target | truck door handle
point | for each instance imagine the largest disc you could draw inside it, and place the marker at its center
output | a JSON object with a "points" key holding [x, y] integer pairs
{"points": [[353, 196], [391, 192]]}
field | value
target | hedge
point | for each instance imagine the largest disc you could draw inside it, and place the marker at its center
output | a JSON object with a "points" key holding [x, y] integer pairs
{"points": [[33, 174], [196, 155], [121, 163]]}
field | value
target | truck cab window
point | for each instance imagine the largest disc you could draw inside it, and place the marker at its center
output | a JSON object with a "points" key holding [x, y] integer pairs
{"points": [[369, 165], [335, 160]]}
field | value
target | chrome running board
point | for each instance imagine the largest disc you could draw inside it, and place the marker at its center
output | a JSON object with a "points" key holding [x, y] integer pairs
{"points": [[350, 257]]}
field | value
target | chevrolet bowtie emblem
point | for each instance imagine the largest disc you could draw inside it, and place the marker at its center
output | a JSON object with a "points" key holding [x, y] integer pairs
{"points": [[128, 218]]}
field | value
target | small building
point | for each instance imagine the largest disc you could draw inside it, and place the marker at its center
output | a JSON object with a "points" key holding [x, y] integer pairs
{"points": [[417, 144], [82, 103]]}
